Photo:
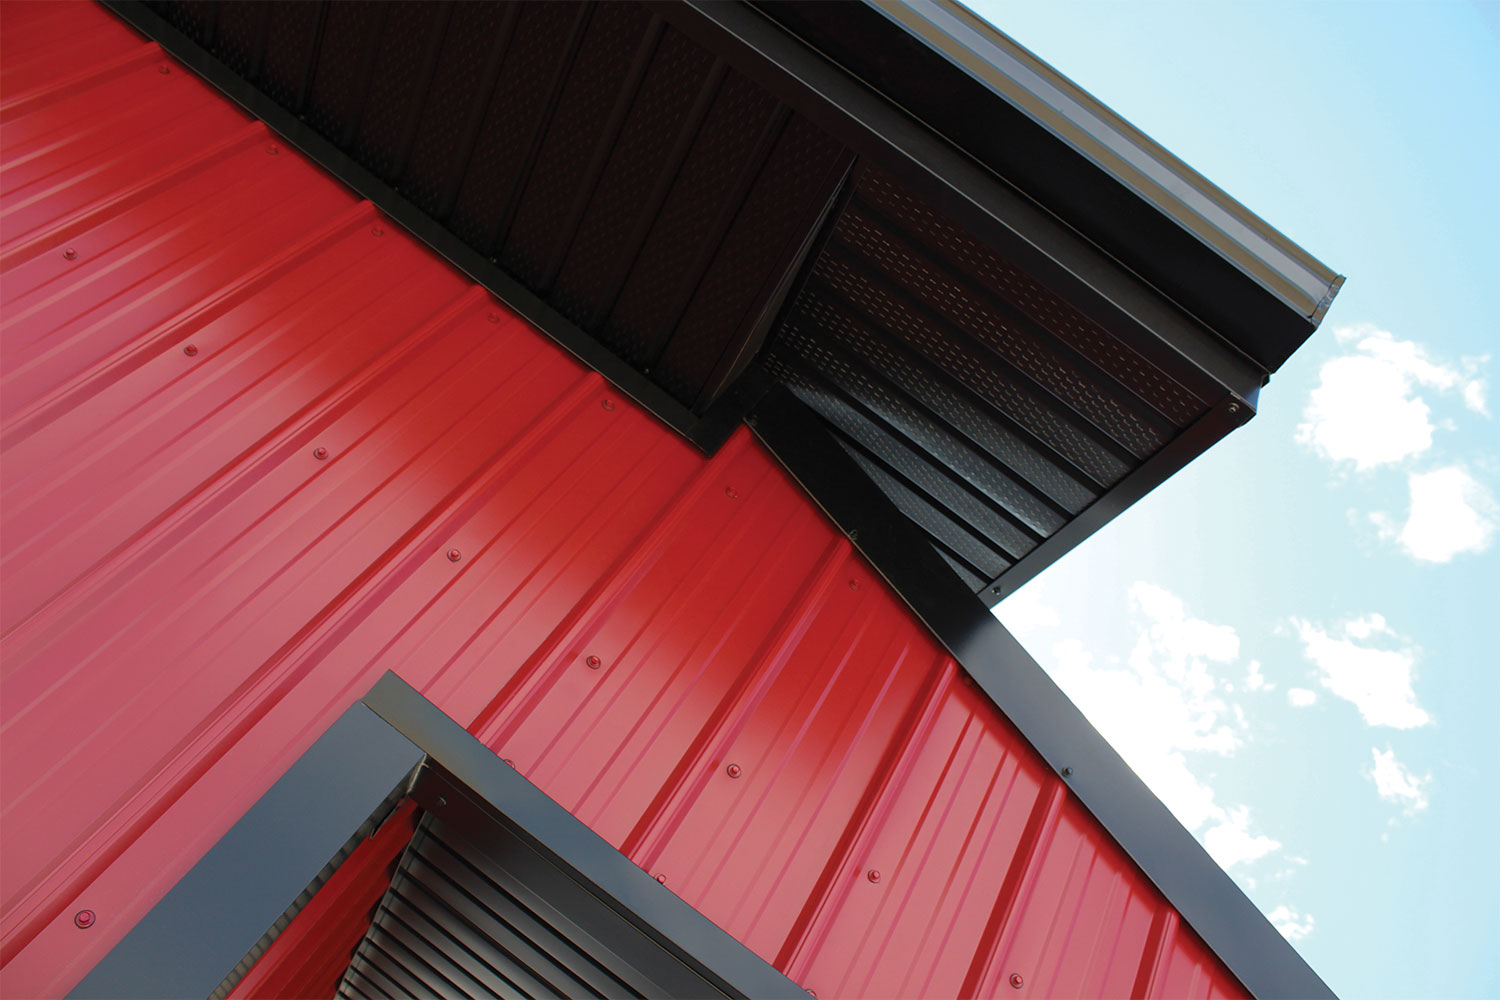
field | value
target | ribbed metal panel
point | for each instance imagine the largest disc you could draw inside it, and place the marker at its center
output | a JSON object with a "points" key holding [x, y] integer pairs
{"points": [[259, 447]]}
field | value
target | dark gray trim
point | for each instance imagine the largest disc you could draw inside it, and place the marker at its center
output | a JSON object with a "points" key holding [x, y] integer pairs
{"points": [[1208, 900], [707, 431], [221, 908], [1020, 118], [492, 792]]}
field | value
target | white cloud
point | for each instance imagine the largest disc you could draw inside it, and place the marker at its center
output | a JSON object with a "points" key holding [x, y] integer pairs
{"points": [[1397, 785], [1301, 697], [1378, 681], [1230, 842], [1293, 925], [1449, 514], [1365, 409], [1255, 680], [1165, 702], [1025, 614]]}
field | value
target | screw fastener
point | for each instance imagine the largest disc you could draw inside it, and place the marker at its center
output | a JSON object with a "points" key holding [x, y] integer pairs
{"points": [[1067, 772], [1234, 408], [594, 662], [733, 770], [662, 879], [84, 919], [70, 254], [1016, 980], [731, 493], [608, 404], [320, 453], [191, 350], [454, 555], [873, 875], [377, 231]]}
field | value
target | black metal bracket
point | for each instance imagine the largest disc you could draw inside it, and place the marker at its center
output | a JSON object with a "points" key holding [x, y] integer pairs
{"points": [[1208, 900]]}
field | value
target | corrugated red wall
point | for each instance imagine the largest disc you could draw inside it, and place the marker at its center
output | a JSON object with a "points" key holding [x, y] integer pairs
{"points": [[259, 447]]}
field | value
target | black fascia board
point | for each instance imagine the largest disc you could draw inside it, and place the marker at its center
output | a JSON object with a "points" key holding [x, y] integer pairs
{"points": [[1014, 114], [1206, 898], [992, 209], [707, 431], [457, 761]]}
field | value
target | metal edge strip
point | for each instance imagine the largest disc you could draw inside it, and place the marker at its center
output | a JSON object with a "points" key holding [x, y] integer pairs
{"points": [[1207, 899]]}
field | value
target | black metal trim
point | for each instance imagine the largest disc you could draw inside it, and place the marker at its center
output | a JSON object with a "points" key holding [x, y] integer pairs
{"points": [[220, 909], [1208, 900], [457, 762], [707, 431]]}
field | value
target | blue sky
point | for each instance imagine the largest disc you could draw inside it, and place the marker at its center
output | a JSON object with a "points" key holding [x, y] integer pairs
{"points": [[1294, 641]]}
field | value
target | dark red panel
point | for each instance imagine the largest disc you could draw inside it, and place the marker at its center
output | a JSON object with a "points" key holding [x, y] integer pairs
{"points": [[260, 447]]}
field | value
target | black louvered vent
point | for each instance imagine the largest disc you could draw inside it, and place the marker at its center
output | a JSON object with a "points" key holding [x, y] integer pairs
{"points": [[986, 408], [478, 913]]}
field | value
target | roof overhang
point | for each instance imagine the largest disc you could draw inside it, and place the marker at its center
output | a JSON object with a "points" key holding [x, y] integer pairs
{"points": [[1015, 312]]}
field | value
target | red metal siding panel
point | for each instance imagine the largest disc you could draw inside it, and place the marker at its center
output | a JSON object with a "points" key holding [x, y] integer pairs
{"points": [[259, 447]]}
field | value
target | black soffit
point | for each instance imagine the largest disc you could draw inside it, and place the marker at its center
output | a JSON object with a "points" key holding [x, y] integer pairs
{"points": [[1016, 314]]}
